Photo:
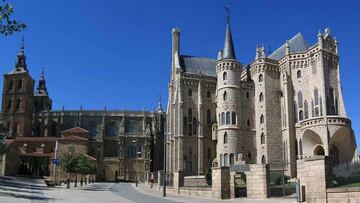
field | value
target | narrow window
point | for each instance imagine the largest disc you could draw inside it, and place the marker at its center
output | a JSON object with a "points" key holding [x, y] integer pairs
{"points": [[225, 96], [231, 159], [261, 97], [263, 160], [208, 116], [247, 95], [261, 119], [298, 74], [190, 92], [300, 99], [306, 110], [316, 96], [233, 118], [227, 118], [190, 129], [222, 118], [262, 138], [185, 125], [209, 154], [261, 78], [225, 138], [194, 126], [18, 105], [301, 115], [11, 84], [316, 112], [224, 76]]}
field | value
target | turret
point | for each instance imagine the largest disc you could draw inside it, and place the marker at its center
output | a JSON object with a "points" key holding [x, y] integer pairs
{"points": [[228, 71]]}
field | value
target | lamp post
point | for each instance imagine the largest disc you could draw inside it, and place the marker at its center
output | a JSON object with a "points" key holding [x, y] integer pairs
{"points": [[164, 172], [136, 183]]}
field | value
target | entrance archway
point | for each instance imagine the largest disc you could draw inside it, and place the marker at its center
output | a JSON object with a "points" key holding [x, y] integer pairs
{"points": [[319, 150], [342, 146], [312, 144]]}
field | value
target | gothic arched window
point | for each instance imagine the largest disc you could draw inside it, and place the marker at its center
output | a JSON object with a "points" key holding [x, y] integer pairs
{"points": [[316, 112], [224, 76], [231, 159], [194, 126], [263, 159], [93, 129], [316, 96], [185, 121], [227, 118], [261, 119], [262, 138], [301, 115], [261, 78], [233, 118], [222, 118], [226, 139], [306, 110], [225, 96], [190, 128], [208, 94], [226, 159], [300, 99], [261, 97], [208, 116], [298, 74]]}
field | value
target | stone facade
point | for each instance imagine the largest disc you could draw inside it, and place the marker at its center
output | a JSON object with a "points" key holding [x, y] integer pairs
{"points": [[279, 108], [124, 142]]}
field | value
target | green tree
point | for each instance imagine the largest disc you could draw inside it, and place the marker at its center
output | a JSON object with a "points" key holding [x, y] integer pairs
{"points": [[84, 167], [69, 163], [8, 26]]}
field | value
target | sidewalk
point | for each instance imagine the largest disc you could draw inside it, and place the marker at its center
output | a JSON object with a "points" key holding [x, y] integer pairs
{"points": [[189, 199]]}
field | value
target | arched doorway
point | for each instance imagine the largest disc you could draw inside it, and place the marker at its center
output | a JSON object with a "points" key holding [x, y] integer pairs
{"points": [[319, 150], [342, 146]]}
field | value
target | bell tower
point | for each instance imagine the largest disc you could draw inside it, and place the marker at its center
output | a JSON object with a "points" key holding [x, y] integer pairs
{"points": [[17, 95]]}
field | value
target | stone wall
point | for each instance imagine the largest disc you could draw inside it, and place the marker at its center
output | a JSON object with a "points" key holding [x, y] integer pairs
{"points": [[257, 181], [343, 195], [195, 181], [221, 183], [312, 173]]}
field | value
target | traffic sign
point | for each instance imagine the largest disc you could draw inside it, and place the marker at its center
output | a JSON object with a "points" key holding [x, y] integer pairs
{"points": [[56, 162]]}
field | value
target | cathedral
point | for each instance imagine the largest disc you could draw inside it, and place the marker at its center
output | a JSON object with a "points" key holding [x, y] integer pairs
{"points": [[280, 108], [122, 143]]}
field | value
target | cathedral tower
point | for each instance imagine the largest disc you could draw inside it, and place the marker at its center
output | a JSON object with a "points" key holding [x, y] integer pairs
{"points": [[228, 71], [18, 89]]}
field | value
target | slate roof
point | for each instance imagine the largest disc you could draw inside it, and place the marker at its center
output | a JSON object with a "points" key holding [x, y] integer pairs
{"points": [[297, 44], [198, 65]]}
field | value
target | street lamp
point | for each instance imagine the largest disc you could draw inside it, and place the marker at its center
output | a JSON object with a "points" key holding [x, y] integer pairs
{"points": [[164, 172]]}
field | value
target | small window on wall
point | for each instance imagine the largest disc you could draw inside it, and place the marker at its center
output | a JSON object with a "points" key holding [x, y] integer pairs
{"points": [[225, 96], [233, 118], [226, 139], [224, 76], [208, 94], [261, 78], [298, 74], [301, 115], [262, 138], [190, 92], [263, 160], [261, 119], [261, 97]]}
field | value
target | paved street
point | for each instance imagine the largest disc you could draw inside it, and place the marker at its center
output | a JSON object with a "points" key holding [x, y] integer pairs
{"points": [[21, 190]]}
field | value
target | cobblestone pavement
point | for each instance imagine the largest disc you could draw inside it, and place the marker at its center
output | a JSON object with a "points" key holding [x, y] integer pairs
{"points": [[20, 190]]}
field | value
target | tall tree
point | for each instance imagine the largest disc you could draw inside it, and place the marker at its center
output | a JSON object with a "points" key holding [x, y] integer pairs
{"points": [[69, 163], [9, 26]]}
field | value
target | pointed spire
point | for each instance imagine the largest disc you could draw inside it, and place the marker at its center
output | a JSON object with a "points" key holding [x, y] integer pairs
{"points": [[160, 110], [20, 64], [228, 52], [41, 88]]}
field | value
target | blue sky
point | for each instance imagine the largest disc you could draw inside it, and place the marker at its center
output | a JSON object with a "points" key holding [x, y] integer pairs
{"points": [[117, 53]]}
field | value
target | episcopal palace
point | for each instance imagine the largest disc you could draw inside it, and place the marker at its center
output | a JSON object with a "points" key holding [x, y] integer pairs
{"points": [[280, 108]]}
